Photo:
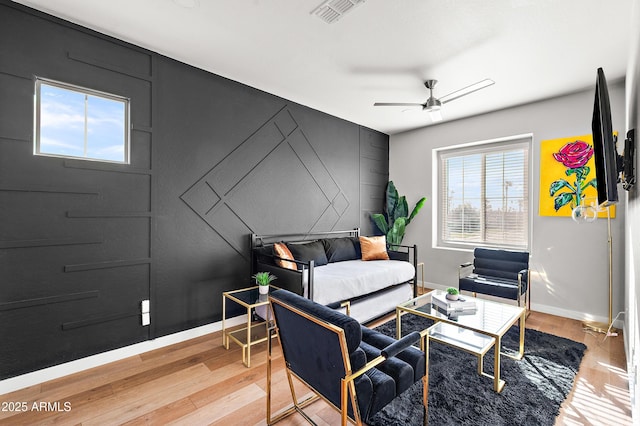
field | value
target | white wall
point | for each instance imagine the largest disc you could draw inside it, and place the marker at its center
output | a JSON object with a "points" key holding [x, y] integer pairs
{"points": [[632, 248], [569, 261]]}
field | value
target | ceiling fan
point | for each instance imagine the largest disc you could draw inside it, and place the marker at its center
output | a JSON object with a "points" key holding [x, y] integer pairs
{"points": [[433, 105]]}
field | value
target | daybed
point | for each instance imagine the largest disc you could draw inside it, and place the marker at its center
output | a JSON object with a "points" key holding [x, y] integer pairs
{"points": [[329, 269]]}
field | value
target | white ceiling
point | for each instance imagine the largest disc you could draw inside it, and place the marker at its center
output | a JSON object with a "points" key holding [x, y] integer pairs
{"points": [[382, 51]]}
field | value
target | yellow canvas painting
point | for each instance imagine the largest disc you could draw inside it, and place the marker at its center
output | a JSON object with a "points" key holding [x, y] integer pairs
{"points": [[568, 176]]}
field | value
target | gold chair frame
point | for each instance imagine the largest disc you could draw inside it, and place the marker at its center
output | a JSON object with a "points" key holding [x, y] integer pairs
{"points": [[347, 385]]}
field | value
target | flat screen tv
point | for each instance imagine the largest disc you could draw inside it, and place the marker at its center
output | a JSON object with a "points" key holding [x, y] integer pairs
{"points": [[604, 145]]}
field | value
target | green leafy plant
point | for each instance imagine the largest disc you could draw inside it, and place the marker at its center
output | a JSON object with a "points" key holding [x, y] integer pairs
{"points": [[396, 217], [452, 291], [264, 278]]}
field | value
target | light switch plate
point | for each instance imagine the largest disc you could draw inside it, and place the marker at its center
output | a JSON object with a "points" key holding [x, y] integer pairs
{"points": [[146, 318]]}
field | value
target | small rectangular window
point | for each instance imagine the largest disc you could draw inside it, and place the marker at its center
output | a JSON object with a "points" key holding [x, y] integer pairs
{"points": [[75, 122], [483, 194]]}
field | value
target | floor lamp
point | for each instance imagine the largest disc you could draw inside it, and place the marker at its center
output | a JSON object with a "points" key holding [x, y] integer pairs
{"points": [[583, 213]]}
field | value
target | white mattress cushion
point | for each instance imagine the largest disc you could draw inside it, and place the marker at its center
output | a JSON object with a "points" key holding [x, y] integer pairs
{"points": [[380, 303], [345, 280]]}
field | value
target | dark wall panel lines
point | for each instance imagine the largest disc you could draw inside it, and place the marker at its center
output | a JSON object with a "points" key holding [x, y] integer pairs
{"points": [[30, 303], [105, 265], [374, 174], [10, 139], [24, 77], [72, 325], [74, 225], [139, 128], [48, 189], [105, 167], [105, 214], [212, 160], [106, 65], [16, 244]]}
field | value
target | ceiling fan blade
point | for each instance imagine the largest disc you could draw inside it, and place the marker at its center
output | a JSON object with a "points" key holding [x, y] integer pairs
{"points": [[397, 104], [467, 90]]}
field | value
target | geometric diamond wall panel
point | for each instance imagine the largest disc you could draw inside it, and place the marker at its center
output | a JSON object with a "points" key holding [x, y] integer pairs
{"points": [[262, 176]]}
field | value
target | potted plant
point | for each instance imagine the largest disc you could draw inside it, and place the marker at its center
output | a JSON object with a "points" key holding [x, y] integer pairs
{"points": [[452, 293], [263, 279], [396, 216]]}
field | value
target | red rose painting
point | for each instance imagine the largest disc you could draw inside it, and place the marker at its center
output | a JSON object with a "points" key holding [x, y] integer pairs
{"points": [[574, 156], [568, 177]]}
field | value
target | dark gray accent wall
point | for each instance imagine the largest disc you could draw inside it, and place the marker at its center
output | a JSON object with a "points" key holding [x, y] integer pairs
{"points": [[75, 237], [83, 242], [374, 176]]}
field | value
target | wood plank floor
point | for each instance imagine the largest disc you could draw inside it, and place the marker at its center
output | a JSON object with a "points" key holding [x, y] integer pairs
{"points": [[198, 382]]}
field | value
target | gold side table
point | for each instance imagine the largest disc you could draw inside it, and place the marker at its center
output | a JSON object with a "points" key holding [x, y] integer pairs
{"points": [[252, 334]]}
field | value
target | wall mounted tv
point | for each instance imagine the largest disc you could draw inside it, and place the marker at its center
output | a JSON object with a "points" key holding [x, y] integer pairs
{"points": [[604, 145]]}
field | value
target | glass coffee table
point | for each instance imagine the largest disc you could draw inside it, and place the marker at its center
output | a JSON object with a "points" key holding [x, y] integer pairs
{"points": [[474, 331]]}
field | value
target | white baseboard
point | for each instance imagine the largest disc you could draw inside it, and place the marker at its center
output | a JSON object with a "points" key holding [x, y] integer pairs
{"points": [[545, 309], [57, 371]]}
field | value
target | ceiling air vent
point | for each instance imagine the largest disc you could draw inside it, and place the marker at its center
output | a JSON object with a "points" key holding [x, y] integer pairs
{"points": [[332, 10]]}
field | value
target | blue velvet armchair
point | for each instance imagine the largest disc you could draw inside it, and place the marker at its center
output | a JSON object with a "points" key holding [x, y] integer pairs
{"points": [[500, 273], [356, 370]]}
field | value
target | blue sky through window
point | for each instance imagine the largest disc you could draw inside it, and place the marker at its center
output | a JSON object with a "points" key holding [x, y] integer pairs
{"points": [[504, 180], [77, 124]]}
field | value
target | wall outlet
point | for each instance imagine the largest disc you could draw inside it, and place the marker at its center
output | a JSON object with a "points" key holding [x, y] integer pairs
{"points": [[145, 309]]}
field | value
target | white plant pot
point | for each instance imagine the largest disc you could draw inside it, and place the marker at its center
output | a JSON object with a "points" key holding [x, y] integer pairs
{"points": [[263, 289], [452, 296]]}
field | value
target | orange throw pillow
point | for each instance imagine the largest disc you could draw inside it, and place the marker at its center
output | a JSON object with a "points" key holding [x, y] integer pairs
{"points": [[281, 250], [374, 248]]}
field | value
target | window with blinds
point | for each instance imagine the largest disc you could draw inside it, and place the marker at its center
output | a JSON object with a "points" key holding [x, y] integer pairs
{"points": [[483, 194]]}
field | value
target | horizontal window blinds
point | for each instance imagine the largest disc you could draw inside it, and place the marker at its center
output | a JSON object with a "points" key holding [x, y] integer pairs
{"points": [[484, 194]]}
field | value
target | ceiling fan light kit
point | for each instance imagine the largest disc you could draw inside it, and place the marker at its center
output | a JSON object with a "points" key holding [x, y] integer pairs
{"points": [[435, 115], [433, 105]]}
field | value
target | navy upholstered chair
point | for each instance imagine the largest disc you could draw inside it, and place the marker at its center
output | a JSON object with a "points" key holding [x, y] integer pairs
{"points": [[500, 273], [356, 370]]}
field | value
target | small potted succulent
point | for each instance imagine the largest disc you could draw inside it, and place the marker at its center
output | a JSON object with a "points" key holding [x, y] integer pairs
{"points": [[263, 279], [452, 293]]}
